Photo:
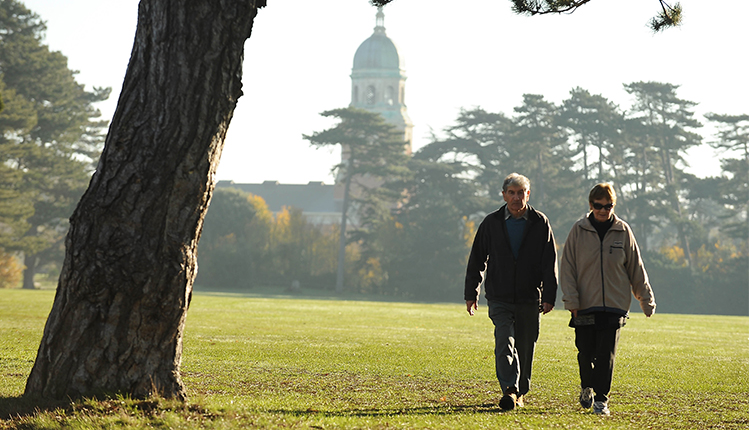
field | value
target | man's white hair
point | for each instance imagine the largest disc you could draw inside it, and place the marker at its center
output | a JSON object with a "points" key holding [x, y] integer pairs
{"points": [[518, 180]]}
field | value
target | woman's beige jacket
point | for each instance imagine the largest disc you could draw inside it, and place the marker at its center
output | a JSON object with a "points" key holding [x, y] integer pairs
{"points": [[599, 275]]}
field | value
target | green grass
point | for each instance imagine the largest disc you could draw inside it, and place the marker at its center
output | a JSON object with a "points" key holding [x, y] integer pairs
{"points": [[285, 362]]}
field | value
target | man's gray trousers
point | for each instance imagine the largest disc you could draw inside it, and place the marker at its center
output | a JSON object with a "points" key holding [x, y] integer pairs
{"points": [[516, 333]]}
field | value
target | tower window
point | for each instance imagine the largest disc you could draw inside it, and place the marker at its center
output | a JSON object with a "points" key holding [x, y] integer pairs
{"points": [[389, 94], [370, 95], [355, 96]]}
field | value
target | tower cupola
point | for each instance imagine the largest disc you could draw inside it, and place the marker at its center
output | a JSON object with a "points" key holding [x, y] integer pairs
{"points": [[379, 78]]}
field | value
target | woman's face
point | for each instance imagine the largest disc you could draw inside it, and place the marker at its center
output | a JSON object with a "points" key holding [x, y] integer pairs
{"points": [[602, 209]]}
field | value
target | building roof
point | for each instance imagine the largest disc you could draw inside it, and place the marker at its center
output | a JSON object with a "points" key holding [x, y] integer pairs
{"points": [[313, 197], [378, 51]]}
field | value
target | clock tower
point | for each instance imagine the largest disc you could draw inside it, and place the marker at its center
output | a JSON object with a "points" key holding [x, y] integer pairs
{"points": [[379, 80]]}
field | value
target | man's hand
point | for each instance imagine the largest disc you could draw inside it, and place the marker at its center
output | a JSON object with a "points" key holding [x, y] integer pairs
{"points": [[471, 306], [574, 312], [547, 307]]}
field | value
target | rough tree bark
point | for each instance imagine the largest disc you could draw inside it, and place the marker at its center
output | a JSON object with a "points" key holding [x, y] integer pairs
{"points": [[117, 321]]}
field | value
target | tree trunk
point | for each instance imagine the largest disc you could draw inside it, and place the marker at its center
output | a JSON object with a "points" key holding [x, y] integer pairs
{"points": [[674, 199], [117, 321], [30, 261], [540, 179], [342, 236], [585, 160]]}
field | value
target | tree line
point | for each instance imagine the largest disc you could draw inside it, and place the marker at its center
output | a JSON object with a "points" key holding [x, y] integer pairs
{"points": [[243, 245], [414, 231]]}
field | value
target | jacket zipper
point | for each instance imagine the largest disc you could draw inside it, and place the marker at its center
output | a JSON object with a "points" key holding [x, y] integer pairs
{"points": [[515, 260], [601, 270]]}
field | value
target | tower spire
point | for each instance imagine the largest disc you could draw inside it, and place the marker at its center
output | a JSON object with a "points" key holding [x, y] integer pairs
{"points": [[379, 21]]}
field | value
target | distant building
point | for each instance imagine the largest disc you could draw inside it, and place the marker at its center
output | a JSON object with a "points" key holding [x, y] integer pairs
{"points": [[315, 199], [378, 85]]}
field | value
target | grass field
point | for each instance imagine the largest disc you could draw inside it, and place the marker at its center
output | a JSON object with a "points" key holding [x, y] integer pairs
{"points": [[285, 362]]}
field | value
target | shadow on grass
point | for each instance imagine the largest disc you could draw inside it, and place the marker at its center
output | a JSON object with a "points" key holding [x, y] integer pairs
{"points": [[21, 406], [13, 408], [486, 408]]}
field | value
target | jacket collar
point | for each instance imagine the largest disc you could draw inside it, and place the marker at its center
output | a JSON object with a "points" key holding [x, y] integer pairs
{"points": [[585, 223], [532, 214]]}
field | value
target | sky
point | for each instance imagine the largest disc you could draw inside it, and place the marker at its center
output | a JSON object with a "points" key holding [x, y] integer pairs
{"points": [[473, 53]]}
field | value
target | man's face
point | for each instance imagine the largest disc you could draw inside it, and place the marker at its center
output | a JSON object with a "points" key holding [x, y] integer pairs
{"points": [[602, 209], [516, 197]]}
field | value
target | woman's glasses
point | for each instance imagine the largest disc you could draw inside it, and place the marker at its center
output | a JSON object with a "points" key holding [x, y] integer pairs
{"points": [[599, 206]]}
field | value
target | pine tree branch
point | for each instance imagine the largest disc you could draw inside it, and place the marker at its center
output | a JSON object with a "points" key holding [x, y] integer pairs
{"points": [[670, 16]]}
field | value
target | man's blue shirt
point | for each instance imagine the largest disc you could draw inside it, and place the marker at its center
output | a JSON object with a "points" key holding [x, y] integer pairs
{"points": [[515, 228]]}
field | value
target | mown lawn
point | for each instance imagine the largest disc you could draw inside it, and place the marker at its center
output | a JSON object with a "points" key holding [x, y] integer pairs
{"points": [[254, 362]]}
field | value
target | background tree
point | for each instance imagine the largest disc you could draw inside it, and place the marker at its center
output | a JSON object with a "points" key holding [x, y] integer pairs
{"points": [[665, 130], [244, 245], [117, 321], [233, 243], [543, 154], [373, 150], [480, 144], [51, 132], [433, 228], [15, 206], [14, 210], [732, 141], [301, 251], [596, 124], [637, 180]]}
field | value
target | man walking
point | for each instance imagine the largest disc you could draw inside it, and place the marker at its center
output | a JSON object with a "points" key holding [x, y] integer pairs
{"points": [[515, 248]]}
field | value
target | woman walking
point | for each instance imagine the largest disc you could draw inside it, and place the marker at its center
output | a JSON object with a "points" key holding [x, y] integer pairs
{"points": [[601, 266]]}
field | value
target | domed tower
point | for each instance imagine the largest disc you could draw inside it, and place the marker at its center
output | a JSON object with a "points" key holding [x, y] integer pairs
{"points": [[378, 80]]}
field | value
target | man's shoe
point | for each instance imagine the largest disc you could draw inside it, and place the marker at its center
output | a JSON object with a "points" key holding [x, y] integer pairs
{"points": [[508, 402], [601, 408], [587, 397], [519, 401]]}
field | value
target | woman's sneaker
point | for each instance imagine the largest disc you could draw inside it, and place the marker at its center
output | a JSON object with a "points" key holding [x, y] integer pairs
{"points": [[587, 397], [508, 401], [600, 408]]}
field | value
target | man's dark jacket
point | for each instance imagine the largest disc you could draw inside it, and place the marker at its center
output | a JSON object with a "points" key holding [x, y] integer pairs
{"points": [[532, 277]]}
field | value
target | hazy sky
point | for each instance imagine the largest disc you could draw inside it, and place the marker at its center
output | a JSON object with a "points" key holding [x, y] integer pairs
{"points": [[458, 54]]}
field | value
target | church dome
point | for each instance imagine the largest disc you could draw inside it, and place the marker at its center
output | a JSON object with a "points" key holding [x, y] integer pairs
{"points": [[378, 51]]}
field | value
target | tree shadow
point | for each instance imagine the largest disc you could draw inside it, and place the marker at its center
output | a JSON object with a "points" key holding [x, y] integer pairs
{"points": [[13, 408], [22, 406], [447, 409], [27, 406]]}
